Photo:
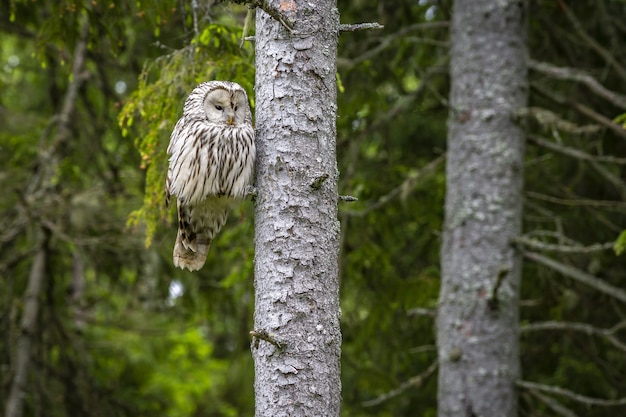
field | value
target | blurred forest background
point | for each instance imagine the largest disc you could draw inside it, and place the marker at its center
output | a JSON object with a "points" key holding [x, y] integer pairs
{"points": [[97, 324]]}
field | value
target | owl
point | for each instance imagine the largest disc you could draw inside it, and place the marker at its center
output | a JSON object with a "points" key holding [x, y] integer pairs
{"points": [[211, 163]]}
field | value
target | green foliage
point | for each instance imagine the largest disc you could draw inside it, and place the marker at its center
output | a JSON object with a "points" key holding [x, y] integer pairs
{"points": [[126, 347], [172, 370], [159, 98], [621, 119], [620, 243]]}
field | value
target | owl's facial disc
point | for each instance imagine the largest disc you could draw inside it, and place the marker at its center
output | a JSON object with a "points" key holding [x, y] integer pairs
{"points": [[224, 107]]}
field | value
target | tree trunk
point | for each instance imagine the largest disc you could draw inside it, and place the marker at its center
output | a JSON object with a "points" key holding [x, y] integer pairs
{"points": [[36, 278], [296, 226], [477, 324]]}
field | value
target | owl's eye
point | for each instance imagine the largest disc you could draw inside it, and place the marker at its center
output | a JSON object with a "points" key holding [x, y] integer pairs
{"points": [[235, 108], [218, 107]]}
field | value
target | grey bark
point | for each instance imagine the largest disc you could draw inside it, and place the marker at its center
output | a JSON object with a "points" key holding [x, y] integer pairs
{"points": [[36, 277], [296, 243], [477, 323]]}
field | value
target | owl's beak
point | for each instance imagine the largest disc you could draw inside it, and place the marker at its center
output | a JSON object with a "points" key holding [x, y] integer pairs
{"points": [[230, 120]]}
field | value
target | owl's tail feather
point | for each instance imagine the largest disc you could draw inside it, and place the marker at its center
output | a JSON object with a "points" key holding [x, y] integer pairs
{"points": [[190, 253]]}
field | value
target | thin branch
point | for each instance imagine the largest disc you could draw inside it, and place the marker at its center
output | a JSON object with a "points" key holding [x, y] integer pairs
{"points": [[265, 335], [360, 26], [406, 185], [611, 178], [47, 154], [573, 74], [416, 381], [608, 204], [348, 198], [581, 108], [553, 404], [552, 247], [608, 334], [578, 275], [550, 120], [600, 50], [419, 311], [402, 104], [424, 348], [388, 41], [554, 234], [573, 152], [275, 13], [551, 389], [594, 115]]}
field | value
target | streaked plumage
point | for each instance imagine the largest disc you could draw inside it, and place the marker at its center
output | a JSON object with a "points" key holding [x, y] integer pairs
{"points": [[210, 166]]}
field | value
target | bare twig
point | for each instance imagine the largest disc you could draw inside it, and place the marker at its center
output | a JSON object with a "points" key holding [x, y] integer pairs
{"points": [[611, 205], [552, 247], [553, 404], [266, 336], [583, 399], [550, 120], [416, 381], [419, 311], [347, 198], [600, 50], [389, 40], [573, 152], [360, 26], [578, 275], [572, 74], [581, 108], [608, 334], [270, 10], [594, 115], [611, 178], [408, 184], [424, 348]]}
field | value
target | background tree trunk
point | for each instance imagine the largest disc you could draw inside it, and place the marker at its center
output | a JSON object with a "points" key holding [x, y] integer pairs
{"points": [[36, 278], [296, 226], [477, 323]]}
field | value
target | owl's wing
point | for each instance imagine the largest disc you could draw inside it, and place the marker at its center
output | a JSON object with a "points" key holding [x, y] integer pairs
{"points": [[174, 150]]}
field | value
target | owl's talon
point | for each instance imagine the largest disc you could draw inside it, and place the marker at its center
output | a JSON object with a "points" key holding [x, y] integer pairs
{"points": [[250, 190]]}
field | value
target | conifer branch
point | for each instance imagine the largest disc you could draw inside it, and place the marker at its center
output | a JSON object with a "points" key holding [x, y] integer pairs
{"points": [[573, 152], [360, 26], [583, 399], [404, 188], [553, 404], [593, 44], [578, 275], [266, 336], [416, 381], [552, 247], [588, 329], [573, 74], [275, 13]]}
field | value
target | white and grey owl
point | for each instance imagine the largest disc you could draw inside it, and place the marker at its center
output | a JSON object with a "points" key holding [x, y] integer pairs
{"points": [[210, 166]]}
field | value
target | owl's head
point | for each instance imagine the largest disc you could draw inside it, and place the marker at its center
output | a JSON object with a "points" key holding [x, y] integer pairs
{"points": [[220, 102], [224, 103]]}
